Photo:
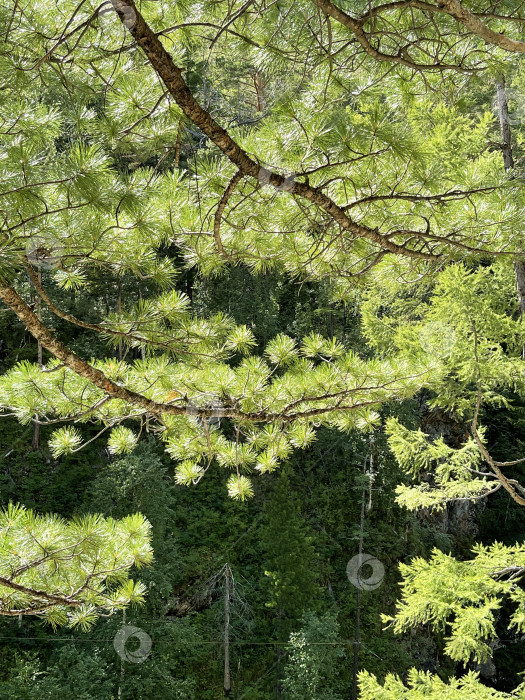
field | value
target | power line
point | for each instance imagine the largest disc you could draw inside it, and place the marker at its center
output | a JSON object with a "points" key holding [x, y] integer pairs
{"points": [[170, 641]]}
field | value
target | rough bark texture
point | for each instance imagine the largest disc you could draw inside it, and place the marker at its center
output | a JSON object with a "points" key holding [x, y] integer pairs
{"points": [[504, 122], [476, 26]]}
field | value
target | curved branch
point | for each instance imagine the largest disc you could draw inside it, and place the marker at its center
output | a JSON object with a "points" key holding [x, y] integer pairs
{"points": [[116, 391], [476, 26], [54, 599], [220, 210], [171, 75], [355, 26]]}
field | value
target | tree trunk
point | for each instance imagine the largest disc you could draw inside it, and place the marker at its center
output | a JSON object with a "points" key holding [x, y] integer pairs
{"points": [[508, 163], [259, 94], [504, 122]]}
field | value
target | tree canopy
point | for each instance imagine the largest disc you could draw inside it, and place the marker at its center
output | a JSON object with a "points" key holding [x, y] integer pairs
{"points": [[373, 151]]}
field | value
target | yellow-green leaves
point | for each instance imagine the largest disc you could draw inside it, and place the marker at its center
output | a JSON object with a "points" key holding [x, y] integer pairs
{"points": [[281, 350], [422, 685], [122, 440], [65, 440], [461, 598], [240, 487], [70, 571]]}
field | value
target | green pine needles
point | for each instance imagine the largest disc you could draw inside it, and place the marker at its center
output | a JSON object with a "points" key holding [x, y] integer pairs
{"points": [[146, 149], [70, 572]]}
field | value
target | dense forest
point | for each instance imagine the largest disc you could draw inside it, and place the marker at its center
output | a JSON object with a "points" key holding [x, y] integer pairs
{"points": [[262, 349]]}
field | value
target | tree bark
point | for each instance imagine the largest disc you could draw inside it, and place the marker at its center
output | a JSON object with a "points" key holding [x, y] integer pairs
{"points": [[504, 122], [508, 164]]}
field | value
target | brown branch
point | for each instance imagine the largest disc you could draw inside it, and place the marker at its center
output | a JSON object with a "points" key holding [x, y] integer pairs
{"points": [[73, 361], [476, 26], [355, 26], [117, 391], [429, 7], [506, 483], [220, 210], [97, 327], [55, 599], [171, 75]]}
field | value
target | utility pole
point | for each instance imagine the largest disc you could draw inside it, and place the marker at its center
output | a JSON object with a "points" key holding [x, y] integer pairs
{"points": [[227, 678], [357, 635]]}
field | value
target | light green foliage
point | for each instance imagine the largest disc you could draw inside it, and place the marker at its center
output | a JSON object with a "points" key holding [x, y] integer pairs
{"points": [[69, 571], [463, 597], [313, 656], [466, 330], [424, 685], [331, 386], [104, 184], [454, 471], [121, 440], [80, 194]]}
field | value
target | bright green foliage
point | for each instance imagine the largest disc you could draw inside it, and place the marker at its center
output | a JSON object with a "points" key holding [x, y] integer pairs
{"points": [[89, 182], [423, 685], [105, 186], [463, 597], [68, 572], [454, 470], [313, 390], [474, 343], [313, 657], [121, 440]]}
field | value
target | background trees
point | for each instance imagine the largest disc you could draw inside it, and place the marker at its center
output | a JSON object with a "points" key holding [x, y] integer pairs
{"points": [[260, 232]]}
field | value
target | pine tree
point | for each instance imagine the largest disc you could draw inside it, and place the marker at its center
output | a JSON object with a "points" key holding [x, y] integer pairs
{"points": [[68, 572], [290, 560], [359, 163]]}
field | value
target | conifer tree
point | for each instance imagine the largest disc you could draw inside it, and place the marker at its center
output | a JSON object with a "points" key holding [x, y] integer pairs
{"points": [[369, 171], [290, 559]]}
